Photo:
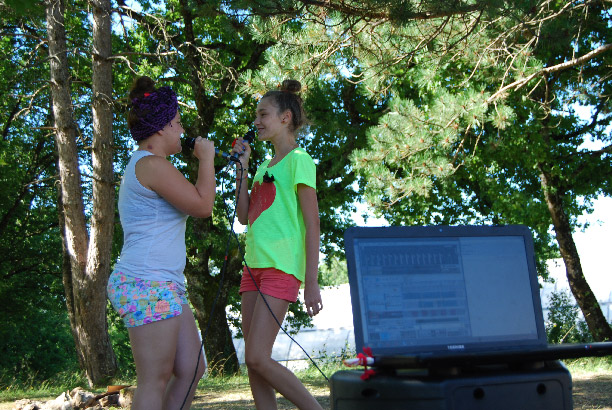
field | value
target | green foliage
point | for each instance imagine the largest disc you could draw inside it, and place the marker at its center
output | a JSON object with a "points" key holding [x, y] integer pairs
{"points": [[35, 338], [563, 324], [36, 345], [35, 389], [479, 124], [340, 113], [596, 365], [328, 362], [333, 272], [447, 153], [24, 7]]}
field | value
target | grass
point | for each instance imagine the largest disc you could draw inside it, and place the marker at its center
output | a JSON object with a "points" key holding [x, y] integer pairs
{"points": [[31, 388], [309, 375], [590, 365], [219, 392]]}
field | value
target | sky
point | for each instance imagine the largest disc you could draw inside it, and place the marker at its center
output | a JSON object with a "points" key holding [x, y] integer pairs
{"points": [[593, 245]]}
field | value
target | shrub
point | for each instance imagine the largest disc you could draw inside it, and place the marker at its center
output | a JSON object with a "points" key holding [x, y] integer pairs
{"points": [[564, 323]]}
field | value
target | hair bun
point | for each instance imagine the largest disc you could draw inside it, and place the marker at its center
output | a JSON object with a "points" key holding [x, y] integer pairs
{"points": [[141, 86], [292, 86], [287, 97]]}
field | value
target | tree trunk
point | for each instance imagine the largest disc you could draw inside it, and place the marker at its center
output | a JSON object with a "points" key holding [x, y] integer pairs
{"points": [[67, 277], [72, 217], [85, 282], [65, 129], [594, 317], [203, 289], [219, 346], [104, 366]]}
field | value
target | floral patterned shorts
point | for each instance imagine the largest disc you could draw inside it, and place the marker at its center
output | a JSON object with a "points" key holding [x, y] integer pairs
{"points": [[139, 301]]}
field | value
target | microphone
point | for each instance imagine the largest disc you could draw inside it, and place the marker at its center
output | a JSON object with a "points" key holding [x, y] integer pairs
{"points": [[190, 143], [248, 137]]}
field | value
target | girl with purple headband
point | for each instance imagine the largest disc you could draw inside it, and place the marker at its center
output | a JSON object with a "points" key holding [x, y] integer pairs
{"points": [[147, 286]]}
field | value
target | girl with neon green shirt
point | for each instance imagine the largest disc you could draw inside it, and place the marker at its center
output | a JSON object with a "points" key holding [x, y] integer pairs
{"points": [[282, 249]]}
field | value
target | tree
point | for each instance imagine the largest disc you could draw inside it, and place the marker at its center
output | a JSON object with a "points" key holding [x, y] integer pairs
{"points": [[29, 237], [31, 282], [512, 152], [457, 75], [86, 274]]}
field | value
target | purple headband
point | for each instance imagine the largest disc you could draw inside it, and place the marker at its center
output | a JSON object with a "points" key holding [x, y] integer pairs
{"points": [[154, 111]]}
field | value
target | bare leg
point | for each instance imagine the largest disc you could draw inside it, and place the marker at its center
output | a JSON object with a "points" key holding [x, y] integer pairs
{"points": [[263, 394], [187, 349], [153, 348], [259, 339]]}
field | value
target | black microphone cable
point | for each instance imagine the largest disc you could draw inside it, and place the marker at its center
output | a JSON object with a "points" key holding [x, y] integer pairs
{"points": [[212, 311], [222, 276], [262, 295], [190, 142]]}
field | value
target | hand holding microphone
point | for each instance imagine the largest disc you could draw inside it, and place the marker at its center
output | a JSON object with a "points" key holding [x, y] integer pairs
{"points": [[248, 137], [205, 148], [241, 150]]}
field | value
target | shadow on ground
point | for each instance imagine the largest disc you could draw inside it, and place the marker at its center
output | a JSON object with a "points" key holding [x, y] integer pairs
{"points": [[239, 398], [592, 392]]}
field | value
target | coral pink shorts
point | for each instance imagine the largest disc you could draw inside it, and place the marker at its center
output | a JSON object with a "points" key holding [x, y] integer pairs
{"points": [[271, 282]]}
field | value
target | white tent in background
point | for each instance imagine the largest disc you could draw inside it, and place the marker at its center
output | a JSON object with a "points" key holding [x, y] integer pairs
{"points": [[600, 284], [331, 334]]}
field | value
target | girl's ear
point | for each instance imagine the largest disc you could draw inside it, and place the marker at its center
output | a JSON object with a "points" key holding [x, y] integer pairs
{"points": [[286, 117]]}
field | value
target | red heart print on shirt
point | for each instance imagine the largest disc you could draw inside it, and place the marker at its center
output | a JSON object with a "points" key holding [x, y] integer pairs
{"points": [[262, 197]]}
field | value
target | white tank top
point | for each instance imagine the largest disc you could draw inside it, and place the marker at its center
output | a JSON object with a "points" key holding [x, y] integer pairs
{"points": [[153, 231]]}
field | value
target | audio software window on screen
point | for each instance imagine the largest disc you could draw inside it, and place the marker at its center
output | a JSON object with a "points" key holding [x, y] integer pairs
{"points": [[442, 291]]}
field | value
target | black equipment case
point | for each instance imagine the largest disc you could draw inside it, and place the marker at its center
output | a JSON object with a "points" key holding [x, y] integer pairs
{"points": [[546, 387]]}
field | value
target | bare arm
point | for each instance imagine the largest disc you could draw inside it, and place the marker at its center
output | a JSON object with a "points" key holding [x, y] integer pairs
{"points": [[310, 210], [158, 174]]}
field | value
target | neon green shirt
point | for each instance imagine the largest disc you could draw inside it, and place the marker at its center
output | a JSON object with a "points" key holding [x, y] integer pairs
{"points": [[276, 230]]}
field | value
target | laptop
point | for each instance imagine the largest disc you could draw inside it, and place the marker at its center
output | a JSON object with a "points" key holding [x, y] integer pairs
{"points": [[431, 296]]}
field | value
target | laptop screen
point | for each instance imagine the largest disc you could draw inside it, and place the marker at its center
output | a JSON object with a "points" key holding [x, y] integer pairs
{"points": [[441, 289]]}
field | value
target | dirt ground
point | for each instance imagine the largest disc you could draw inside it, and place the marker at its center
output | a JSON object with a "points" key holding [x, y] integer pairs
{"points": [[239, 398], [591, 392]]}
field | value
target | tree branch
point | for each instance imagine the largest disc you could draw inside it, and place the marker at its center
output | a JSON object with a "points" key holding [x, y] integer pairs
{"points": [[382, 13], [559, 67]]}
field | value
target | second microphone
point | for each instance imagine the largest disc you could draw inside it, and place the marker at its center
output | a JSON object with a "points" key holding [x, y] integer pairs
{"points": [[248, 137]]}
